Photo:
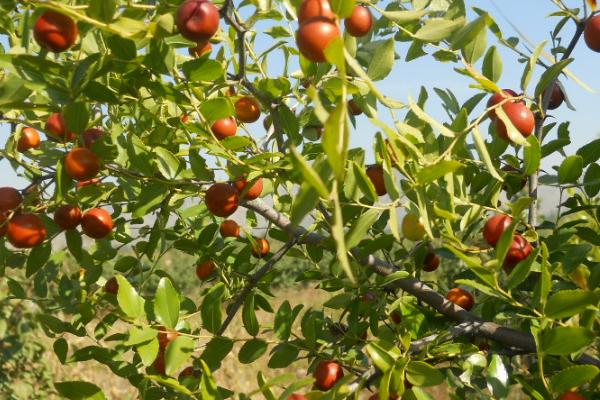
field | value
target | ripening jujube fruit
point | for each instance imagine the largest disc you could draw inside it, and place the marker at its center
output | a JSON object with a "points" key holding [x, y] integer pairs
{"points": [[229, 228], [519, 250], [521, 117], [30, 139], [68, 216], [296, 396], [97, 223], [91, 135], [412, 227], [187, 371], [205, 269], [222, 199], [354, 108], [261, 248], [314, 36], [495, 227], [360, 22], [3, 224], [591, 33], [26, 231], [247, 109], [82, 164], [572, 396], [375, 174], [556, 97], [249, 193], [314, 8], [496, 98], [55, 31], [224, 128], [197, 20], [396, 317], [432, 262], [10, 198], [111, 286], [56, 127], [201, 49], [159, 363], [327, 373], [461, 298], [166, 336]]}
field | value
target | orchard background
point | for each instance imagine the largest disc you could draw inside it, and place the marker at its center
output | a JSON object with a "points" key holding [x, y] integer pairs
{"points": [[412, 211]]}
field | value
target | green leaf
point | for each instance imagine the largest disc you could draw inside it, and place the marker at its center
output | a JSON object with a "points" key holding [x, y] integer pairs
{"points": [[573, 377], [422, 115], [334, 54], [562, 341], [61, 348], [484, 155], [434, 172], [360, 227], [77, 117], [252, 350], [567, 303], [437, 29], [497, 377], [214, 109], [130, 302], [521, 271], [469, 32], [405, 16], [382, 60], [591, 180], [570, 170], [421, 374], [550, 75], [249, 316], [148, 351], [38, 258], [166, 303], [342, 8], [168, 164], [178, 353], [283, 355], [216, 350], [208, 387], [210, 310], [310, 175], [103, 10], [282, 326], [530, 66], [149, 199], [492, 64], [379, 354], [202, 69], [532, 155], [335, 139], [79, 390]]}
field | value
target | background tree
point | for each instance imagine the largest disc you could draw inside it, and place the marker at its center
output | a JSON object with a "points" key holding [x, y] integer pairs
{"points": [[438, 267]]}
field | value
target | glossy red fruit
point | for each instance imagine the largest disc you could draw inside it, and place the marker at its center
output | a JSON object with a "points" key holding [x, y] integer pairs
{"points": [[354, 107], [368, 297], [189, 371], [10, 198], [496, 98], [93, 181], [261, 248], [327, 373], [591, 33], [26, 231], [314, 36], [222, 199], [572, 396], [97, 223], [197, 20], [495, 227], [396, 317], [249, 193], [82, 164], [56, 127], [201, 49], [91, 135], [297, 396], [3, 224], [557, 97], [224, 128], [55, 31], [160, 364], [314, 8], [166, 336], [68, 217], [432, 262], [461, 298], [521, 117], [30, 139], [247, 109], [205, 269], [360, 22], [519, 250], [229, 228], [111, 286], [375, 174]]}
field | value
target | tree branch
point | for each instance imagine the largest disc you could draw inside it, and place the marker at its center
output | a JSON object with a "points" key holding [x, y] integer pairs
{"points": [[507, 336], [253, 281]]}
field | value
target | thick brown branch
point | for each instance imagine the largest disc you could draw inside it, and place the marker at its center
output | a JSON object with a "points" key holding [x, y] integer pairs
{"points": [[508, 337]]}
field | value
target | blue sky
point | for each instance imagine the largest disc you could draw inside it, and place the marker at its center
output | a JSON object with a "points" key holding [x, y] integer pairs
{"points": [[407, 78]]}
